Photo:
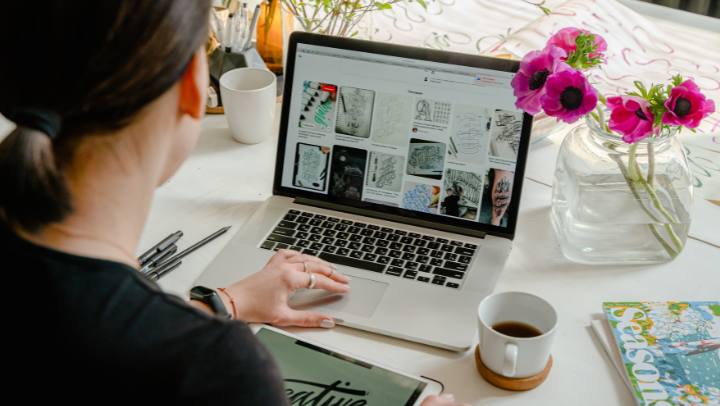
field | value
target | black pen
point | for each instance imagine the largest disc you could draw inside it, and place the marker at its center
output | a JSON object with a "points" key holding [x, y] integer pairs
{"points": [[158, 258], [196, 246], [161, 246], [159, 271]]}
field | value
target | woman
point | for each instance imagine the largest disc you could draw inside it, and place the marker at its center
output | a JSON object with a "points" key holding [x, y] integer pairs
{"points": [[108, 99]]}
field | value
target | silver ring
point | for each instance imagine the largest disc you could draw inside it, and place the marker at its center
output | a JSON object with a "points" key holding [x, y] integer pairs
{"points": [[305, 265], [312, 280], [332, 271]]}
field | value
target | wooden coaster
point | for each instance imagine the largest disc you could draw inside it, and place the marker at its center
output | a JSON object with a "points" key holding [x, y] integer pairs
{"points": [[503, 382], [214, 110]]}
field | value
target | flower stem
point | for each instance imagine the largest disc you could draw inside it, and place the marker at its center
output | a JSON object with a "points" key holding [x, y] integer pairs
{"points": [[634, 179], [632, 187], [651, 165], [665, 245], [653, 196], [601, 115], [676, 241], [656, 202], [631, 163], [635, 193]]}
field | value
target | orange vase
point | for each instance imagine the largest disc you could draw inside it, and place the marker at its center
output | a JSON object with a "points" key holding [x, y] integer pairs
{"points": [[269, 36]]}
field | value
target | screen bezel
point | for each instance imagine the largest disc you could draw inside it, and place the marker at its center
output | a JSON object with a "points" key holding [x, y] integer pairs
{"points": [[432, 387], [425, 54]]}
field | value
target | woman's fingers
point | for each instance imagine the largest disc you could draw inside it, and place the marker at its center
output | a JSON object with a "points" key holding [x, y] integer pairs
{"points": [[323, 282], [320, 266], [305, 318], [308, 259], [442, 400], [329, 271], [325, 271], [282, 256], [299, 280]]}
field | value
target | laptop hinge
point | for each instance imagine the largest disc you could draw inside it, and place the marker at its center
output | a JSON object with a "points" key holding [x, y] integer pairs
{"points": [[390, 217]]}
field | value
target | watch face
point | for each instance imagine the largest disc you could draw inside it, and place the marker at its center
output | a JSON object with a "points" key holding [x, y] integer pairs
{"points": [[200, 292]]}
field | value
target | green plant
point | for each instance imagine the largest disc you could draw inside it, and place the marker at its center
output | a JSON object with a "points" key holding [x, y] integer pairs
{"points": [[336, 17], [540, 6]]}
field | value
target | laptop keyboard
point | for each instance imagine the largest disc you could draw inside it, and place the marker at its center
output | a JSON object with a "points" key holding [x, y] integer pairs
{"points": [[419, 257]]}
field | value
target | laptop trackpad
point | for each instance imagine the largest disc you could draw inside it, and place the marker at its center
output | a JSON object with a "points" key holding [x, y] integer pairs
{"points": [[362, 299]]}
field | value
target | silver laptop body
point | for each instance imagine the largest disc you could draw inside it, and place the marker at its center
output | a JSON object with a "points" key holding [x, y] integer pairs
{"points": [[420, 259]]}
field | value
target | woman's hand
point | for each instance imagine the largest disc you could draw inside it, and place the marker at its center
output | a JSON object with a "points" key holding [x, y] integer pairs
{"points": [[442, 400], [263, 296]]}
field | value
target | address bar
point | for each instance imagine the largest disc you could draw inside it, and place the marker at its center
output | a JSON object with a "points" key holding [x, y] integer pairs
{"points": [[420, 77]]}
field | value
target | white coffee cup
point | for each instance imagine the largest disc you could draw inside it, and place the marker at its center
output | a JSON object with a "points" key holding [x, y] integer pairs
{"points": [[248, 97], [515, 357]]}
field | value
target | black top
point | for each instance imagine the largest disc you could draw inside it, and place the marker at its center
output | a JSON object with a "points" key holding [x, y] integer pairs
{"points": [[98, 332], [451, 205]]}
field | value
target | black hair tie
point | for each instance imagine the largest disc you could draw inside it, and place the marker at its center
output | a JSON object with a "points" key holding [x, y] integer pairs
{"points": [[37, 119]]}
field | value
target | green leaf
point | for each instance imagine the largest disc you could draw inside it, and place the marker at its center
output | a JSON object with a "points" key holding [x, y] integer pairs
{"points": [[677, 80], [657, 121], [641, 87], [354, 34]]}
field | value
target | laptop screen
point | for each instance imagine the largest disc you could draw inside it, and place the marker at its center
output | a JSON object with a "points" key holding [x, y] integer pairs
{"points": [[416, 137]]}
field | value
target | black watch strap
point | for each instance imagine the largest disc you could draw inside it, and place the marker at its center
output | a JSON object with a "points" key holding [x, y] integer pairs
{"points": [[211, 298]]}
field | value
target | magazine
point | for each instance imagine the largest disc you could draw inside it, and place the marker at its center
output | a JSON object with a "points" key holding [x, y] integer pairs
{"points": [[670, 350]]}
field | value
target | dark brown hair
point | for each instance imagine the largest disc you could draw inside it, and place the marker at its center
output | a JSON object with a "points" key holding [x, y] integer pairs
{"points": [[95, 65]]}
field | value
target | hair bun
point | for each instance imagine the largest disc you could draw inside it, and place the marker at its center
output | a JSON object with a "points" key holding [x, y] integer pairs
{"points": [[38, 119]]}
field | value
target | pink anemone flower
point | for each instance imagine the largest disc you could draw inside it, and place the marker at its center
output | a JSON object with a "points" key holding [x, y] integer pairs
{"points": [[687, 106], [529, 83], [568, 96], [565, 39], [630, 116]]}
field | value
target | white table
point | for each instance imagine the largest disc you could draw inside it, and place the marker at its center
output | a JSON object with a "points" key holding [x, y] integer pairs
{"points": [[223, 182]]}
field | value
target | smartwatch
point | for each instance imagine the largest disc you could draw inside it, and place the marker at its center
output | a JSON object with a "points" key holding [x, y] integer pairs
{"points": [[210, 298]]}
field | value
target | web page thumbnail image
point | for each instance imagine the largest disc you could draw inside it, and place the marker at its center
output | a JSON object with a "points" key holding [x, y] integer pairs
{"points": [[432, 111], [426, 159], [421, 197], [497, 193], [311, 164], [318, 101], [355, 108], [469, 139], [347, 172], [460, 194], [392, 119], [385, 171], [506, 131]]}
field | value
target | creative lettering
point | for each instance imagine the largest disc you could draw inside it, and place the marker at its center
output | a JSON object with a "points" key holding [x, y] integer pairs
{"points": [[328, 395]]}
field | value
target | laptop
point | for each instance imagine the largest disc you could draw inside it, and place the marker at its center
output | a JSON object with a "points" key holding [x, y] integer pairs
{"points": [[403, 166]]}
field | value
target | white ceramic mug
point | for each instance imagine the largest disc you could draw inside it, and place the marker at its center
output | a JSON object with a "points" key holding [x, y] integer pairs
{"points": [[248, 97], [515, 357]]}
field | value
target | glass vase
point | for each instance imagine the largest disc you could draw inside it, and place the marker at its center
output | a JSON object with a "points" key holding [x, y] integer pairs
{"points": [[616, 203]]}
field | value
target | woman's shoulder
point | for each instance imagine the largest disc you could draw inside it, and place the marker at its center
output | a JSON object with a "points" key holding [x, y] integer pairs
{"points": [[105, 324]]}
